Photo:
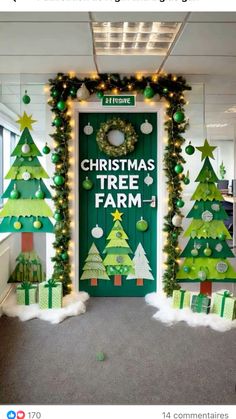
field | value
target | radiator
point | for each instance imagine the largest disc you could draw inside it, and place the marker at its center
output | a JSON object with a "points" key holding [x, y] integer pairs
{"points": [[4, 272]]}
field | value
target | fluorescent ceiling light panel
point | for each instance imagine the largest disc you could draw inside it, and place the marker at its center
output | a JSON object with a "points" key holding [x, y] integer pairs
{"points": [[217, 125], [134, 38], [231, 110]]}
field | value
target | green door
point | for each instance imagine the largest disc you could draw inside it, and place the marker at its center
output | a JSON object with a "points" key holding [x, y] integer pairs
{"points": [[116, 256]]}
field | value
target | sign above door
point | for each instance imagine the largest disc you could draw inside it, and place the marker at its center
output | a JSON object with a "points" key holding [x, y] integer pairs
{"points": [[123, 100]]}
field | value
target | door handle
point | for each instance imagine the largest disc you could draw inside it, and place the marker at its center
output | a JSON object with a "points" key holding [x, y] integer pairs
{"points": [[152, 201]]}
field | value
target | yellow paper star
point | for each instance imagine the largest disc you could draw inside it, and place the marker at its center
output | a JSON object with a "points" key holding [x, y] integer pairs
{"points": [[25, 121], [117, 215], [207, 150]]}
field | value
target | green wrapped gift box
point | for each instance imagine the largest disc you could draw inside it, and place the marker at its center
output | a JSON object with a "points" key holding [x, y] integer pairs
{"points": [[50, 294], [201, 304], [181, 299], [224, 304], [26, 294]]}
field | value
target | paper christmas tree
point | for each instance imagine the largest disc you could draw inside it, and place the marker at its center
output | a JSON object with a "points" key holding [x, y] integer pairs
{"points": [[26, 210], [93, 268], [142, 268], [207, 250], [117, 260]]}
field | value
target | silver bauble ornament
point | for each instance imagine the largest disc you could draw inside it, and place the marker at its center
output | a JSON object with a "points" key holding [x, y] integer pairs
{"points": [[177, 220], [25, 148], [97, 232], [148, 180], [83, 92], [146, 128], [26, 176], [88, 129]]}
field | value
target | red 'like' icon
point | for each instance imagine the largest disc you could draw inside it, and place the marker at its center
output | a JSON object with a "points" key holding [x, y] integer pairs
{"points": [[20, 414]]}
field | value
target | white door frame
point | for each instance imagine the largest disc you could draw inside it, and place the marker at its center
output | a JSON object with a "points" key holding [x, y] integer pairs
{"points": [[82, 107]]}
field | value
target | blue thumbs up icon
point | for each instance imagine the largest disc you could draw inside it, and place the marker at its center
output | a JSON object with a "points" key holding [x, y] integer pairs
{"points": [[11, 414]]}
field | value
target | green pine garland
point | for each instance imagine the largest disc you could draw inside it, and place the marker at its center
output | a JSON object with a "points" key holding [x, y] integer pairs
{"points": [[63, 88]]}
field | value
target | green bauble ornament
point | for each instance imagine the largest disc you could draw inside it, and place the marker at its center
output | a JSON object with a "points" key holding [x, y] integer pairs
{"points": [[190, 149], [37, 224], [207, 251], [100, 356], [186, 269], [26, 99], [61, 105], [186, 181], [175, 235], [100, 94], [15, 194], [148, 92], [87, 184], [64, 256], [55, 158], [46, 149], [142, 225], [54, 93], [17, 225], [180, 203], [178, 169], [165, 90], [222, 236], [194, 252], [73, 91], [59, 180], [57, 216], [179, 117], [58, 121], [39, 194]]}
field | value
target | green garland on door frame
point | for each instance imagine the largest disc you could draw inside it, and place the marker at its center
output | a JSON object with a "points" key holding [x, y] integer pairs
{"points": [[64, 87], [116, 124]]}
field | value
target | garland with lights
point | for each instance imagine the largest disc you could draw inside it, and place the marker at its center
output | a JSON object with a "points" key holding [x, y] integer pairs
{"points": [[130, 137], [67, 87]]}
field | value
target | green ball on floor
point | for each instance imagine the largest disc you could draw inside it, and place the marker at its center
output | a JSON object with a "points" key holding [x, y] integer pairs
{"points": [[100, 356]]}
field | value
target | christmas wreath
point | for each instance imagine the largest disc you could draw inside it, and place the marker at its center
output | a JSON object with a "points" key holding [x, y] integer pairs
{"points": [[130, 137]]}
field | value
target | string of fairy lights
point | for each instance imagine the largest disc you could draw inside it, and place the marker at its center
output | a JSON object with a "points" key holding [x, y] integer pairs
{"points": [[64, 89]]}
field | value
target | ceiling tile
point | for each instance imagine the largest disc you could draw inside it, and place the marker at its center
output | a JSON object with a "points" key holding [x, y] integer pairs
{"points": [[212, 17], [45, 38], [36, 64], [138, 17], [44, 17], [206, 39], [201, 65], [128, 64]]}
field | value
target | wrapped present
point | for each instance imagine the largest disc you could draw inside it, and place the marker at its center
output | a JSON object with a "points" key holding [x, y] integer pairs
{"points": [[201, 303], [181, 299], [224, 304], [26, 294], [50, 294]]}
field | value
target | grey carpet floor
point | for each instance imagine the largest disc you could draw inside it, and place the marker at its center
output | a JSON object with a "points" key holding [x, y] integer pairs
{"points": [[147, 362]]}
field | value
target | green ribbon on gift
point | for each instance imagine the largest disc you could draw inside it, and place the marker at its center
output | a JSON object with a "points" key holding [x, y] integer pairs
{"points": [[200, 299], [26, 286], [182, 298], [50, 284], [226, 294]]}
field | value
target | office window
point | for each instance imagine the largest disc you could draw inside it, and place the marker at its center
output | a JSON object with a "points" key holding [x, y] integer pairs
{"points": [[8, 142]]}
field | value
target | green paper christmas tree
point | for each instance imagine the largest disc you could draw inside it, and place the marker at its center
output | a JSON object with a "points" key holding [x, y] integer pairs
{"points": [[117, 260], [93, 268], [26, 210], [207, 251]]}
